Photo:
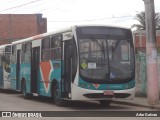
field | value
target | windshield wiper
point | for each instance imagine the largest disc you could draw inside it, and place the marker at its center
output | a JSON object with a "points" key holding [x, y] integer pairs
{"points": [[101, 46]]}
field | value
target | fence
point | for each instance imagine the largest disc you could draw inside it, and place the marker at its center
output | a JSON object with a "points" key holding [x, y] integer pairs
{"points": [[141, 79]]}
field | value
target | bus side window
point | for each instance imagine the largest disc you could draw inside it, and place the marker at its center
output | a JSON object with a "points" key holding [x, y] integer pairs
{"points": [[23, 51], [45, 49], [27, 55], [13, 56], [56, 47]]}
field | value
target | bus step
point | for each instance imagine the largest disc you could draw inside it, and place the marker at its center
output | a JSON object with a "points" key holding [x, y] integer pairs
{"points": [[67, 99], [35, 94], [18, 90]]}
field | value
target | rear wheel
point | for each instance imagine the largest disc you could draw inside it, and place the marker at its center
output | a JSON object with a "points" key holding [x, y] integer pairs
{"points": [[24, 93], [57, 96], [105, 103]]}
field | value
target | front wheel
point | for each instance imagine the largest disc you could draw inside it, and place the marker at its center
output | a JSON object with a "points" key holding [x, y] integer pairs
{"points": [[57, 96], [105, 103], [24, 93]]}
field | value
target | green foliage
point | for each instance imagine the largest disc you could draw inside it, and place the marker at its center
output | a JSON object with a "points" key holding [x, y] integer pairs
{"points": [[140, 17]]}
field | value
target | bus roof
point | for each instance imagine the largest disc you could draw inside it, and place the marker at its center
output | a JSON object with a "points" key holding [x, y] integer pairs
{"points": [[89, 25], [59, 31], [3, 46], [41, 36]]}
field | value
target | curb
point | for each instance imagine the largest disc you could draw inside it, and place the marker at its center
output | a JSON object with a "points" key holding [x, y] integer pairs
{"points": [[135, 104]]}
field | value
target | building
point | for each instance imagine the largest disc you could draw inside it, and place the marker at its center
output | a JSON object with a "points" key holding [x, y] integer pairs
{"points": [[18, 26], [140, 40]]}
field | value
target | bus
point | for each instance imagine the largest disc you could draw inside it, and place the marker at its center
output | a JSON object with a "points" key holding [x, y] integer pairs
{"points": [[76, 63], [5, 51]]}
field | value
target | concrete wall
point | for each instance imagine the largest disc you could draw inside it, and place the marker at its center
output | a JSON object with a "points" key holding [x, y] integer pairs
{"points": [[141, 79], [140, 49]]}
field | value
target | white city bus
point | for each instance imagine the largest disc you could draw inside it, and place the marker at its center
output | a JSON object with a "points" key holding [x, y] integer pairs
{"points": [[77, 63]]}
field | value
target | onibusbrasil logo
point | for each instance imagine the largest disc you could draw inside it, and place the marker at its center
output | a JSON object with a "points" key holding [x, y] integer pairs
{"points": [[21, 114]]}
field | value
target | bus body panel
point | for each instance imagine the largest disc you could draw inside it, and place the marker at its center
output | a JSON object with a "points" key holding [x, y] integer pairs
{"points": [[25, 74], [5, 51], [49, 71], [45, 72], [13, 77], [6, 79], [92, 86]]}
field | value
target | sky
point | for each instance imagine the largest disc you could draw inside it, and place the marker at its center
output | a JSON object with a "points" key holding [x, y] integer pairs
{"points": [[65, 13]]}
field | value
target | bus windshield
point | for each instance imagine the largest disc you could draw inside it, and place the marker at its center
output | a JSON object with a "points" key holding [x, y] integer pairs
{"points": [[106, 57]]}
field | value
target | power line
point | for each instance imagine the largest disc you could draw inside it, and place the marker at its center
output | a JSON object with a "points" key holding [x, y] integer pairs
{"points": [[27, 8], [95, 19], [57, 8], [19, 6], [7, 2], [32, 7], [85, 20], [52, 8], [119, 17]]}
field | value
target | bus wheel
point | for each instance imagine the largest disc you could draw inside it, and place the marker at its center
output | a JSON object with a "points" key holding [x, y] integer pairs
{"points": [[105, 103], [56, 96], [24, 93]]}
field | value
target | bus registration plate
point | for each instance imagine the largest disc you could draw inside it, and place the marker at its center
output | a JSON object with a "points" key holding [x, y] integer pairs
{"points": [[108, 93]]}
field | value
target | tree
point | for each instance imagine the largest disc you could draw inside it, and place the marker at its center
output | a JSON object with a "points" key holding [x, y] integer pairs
{"points": [[140, 17]]}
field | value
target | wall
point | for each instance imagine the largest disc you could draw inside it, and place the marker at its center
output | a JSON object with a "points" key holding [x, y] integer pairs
{"points": [[19, 26], [141, 79], [140, 48], [140, 38]]}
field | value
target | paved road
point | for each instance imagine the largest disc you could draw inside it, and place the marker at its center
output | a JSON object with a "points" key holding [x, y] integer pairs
{"points": [[15, 102]]}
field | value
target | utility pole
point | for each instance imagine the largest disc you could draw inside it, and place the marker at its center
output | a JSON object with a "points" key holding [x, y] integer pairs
{"points": [[151, 52]]}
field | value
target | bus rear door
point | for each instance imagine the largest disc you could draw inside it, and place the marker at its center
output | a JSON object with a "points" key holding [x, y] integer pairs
{"points": [[34, 69]]}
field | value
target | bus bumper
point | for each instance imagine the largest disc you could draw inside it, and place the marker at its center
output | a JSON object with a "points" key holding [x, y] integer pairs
{"points": [[7, 84], [86, 94]]}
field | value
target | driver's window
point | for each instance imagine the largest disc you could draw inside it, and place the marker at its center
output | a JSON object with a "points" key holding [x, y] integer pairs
{"points": [[125, 52]]}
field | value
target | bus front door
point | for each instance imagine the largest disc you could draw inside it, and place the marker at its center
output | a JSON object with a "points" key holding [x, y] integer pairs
{"points": [[67, 76], [34, 69]]}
